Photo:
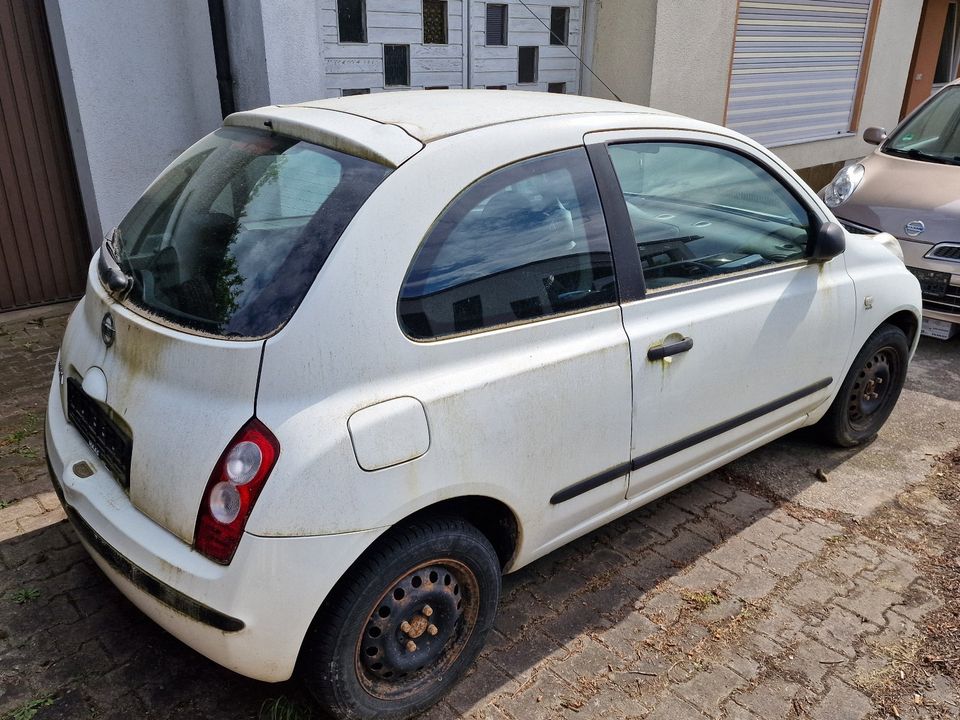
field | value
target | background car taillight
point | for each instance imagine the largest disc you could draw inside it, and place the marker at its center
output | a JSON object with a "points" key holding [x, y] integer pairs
{"points": [[232, 490]]}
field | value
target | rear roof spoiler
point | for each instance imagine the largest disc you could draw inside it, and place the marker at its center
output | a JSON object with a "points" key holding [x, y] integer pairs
{"points": [[358, 136]]}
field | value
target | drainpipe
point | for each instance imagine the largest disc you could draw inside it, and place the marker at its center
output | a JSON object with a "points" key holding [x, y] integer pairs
{"points": [[221, 56]]}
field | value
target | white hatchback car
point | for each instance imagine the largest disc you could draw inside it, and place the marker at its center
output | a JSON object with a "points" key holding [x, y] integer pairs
{"points": [[346, 362]]}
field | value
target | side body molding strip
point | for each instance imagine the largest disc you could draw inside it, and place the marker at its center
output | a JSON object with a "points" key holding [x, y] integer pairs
{"points": [[572, 491]]}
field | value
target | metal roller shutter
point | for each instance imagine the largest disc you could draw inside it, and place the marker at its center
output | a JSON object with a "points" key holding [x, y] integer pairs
{"points": [[795, 69]]}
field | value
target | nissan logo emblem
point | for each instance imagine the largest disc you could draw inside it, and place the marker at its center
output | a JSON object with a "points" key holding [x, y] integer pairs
{"points": [[914, 228], [108, 331]]}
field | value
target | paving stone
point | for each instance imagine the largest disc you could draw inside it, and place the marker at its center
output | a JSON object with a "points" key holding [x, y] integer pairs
{"points": [[649, 571], [665, 607], [521, 610], [624, 636], [664, 518], [917, 602], [811, 660], [685, 548], [840, 630], [707, 690], [772, 698], [734, 554], [589, 659], [754, 584], [740, 662], [520, 659], [480, 686], [892, 573], [812, 590], [547, 697], [780, 624], [695, 498], [870, 602], [785, 559], [670, 707], [842, 703], [704, 575], [745, 506]]}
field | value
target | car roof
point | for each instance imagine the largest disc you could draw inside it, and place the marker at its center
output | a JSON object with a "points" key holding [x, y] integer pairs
{"points": [[389, 127], [429, 115]]}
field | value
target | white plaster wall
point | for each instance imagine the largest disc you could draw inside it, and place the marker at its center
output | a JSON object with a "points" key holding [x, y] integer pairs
{"points": [[691, 61], [248, 57], [294, 50], [623, 49], [141, 80]]}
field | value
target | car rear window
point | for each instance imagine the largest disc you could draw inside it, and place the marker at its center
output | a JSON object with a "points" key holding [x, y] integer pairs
{"points": [[229, 238]]}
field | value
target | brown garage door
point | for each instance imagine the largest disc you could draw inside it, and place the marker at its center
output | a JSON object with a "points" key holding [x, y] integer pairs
{"points": [[43, 241]]}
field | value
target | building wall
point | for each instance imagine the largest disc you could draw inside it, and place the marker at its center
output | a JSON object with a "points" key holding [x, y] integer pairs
{"points": [[139, 86], [689, 44], [623, 37], [498, 65]]}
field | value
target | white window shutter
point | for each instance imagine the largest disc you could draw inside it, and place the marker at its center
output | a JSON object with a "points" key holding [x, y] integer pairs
{"points": [[795, 69]]}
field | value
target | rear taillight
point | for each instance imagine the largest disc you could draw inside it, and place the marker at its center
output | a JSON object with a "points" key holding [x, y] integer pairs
{"points": [[235, 484]]}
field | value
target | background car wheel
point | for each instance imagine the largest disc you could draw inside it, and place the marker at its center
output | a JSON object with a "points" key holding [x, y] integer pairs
{"points": [[406, 622], [870, 390]]}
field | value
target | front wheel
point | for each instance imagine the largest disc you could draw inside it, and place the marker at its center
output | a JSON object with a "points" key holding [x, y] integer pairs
{"points": [[405, 624], [870, 390]]}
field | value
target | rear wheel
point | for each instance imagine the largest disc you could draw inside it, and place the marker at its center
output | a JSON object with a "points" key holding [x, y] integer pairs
{"points": [[870, 390], [409, 620]]}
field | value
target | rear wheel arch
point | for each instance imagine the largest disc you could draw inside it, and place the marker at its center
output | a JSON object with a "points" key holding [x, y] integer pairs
{"points": [[493, 518]]}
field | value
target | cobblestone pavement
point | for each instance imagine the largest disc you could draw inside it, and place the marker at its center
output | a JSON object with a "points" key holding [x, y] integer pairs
{"points": [[757, 592]]}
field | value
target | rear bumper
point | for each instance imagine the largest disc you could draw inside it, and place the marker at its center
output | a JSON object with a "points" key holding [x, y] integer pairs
{"points": [[250, 616]]}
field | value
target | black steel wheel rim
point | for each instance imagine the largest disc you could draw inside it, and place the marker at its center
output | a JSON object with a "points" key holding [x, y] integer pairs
{"points": [[873, 387], [417, 629]]}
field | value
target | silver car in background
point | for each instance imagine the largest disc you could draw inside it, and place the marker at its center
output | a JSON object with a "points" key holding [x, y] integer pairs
{"points": [[910, 187]]}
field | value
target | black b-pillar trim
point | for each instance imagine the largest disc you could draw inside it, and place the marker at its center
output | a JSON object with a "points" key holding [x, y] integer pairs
{"points": [[623, 243], [649, 458]]}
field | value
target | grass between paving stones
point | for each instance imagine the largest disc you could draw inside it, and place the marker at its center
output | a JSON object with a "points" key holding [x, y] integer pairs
{"points": [[283, 708], [29, 709]]}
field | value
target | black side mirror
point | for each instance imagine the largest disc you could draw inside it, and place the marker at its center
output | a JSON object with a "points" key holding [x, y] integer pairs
{"points": [[831, 240], [874, 135]]}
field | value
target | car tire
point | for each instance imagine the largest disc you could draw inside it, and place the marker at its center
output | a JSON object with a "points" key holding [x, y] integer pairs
{"points": [[870, 389], [406, 622]]}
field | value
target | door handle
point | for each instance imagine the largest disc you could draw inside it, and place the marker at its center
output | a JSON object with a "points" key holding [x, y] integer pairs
{"points": [[675, 348]]}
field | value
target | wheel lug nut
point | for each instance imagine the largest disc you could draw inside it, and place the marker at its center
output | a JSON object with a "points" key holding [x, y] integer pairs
{"points": [[411, 646], [404, 627], [432, 629], [427, 611]]}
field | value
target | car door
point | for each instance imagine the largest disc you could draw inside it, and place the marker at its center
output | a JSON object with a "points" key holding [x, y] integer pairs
{"points": [[735, 335]]}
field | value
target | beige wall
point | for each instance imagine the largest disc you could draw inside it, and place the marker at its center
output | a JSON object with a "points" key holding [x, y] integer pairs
{"points": [[623, 44], [675, 55]]}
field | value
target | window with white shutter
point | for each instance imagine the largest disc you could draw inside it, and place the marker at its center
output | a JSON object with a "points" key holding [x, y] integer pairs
{"points": [[796, 69]]}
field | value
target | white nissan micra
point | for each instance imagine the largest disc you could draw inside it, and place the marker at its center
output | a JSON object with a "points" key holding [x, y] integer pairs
{"points": [[346, 362]]}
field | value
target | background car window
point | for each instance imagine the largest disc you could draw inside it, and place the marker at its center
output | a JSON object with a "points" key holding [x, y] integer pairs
{"points": [[933, 133], [700, 211], [525, 242]]}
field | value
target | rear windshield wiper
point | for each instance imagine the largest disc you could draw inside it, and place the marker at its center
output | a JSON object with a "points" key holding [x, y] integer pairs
{"points": [[915, 154], [114, 279]]}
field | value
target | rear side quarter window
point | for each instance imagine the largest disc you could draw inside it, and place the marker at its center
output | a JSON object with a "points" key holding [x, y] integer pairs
{"points": [[524, 243]]}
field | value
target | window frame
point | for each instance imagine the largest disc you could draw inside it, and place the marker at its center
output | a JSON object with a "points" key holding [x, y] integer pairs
{"points": [[460, 194], [536, 64], [557, 40], [446, 22], [407, 77], [505, 35], [620, 231], [363, 25]]}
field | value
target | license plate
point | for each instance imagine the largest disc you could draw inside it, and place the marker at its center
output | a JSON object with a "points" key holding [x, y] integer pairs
{"points": [[932, 284], [940, 329]]}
